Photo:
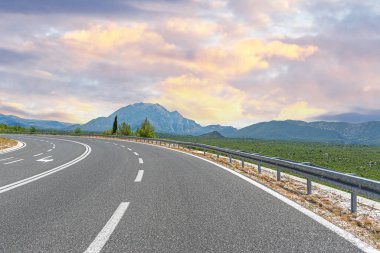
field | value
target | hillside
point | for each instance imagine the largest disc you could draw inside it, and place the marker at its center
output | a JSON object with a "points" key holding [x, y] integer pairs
{"points": [[163, 120], [41, 124], [320, 131]]}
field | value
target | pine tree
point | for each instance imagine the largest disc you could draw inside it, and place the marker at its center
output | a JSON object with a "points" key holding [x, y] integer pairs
{"points": [[114, 127]]}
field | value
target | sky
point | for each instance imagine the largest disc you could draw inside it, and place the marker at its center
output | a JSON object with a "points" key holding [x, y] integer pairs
{"points": [[230, 62]]}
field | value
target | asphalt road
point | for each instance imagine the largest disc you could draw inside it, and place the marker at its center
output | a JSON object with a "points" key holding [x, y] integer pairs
{"points": [[69, 194]]}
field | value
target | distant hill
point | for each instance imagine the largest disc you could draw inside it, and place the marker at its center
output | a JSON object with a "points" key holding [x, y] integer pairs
{"points": [[163, 121], [213, 134], [320, 131], [41, 124]]}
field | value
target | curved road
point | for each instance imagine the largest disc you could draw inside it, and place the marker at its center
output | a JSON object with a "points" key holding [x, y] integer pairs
{"points": [[97, 195]]}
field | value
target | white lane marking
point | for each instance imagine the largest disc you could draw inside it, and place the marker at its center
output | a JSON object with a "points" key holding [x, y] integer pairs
{"points": [[103, 236], [38, 154], [53, 147], [139, 176], [106, 142], [115, 144], [6, 158], [45, 159], [341, 232], [141, 160], [129, 149], [122, 146], [15, 161], [28, 180], [135, 153], [49, 150]]}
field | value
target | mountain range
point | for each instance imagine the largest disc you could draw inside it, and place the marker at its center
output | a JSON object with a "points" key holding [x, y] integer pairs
{"points": [[165, 121]]}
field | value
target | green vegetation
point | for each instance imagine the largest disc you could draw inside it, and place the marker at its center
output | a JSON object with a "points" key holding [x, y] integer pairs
{"points": [[77, 130], [364, 161], [124, 129], [12, 129], [114, 127], [145, 130]]}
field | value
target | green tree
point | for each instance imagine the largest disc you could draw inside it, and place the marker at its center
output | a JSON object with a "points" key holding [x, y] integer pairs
{"points": [[114, 127], [77, 130], [33, 130], [146, 129], [124, 129]]}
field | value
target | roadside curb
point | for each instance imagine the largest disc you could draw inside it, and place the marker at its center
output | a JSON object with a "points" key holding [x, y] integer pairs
{"points": [[19, 145]]}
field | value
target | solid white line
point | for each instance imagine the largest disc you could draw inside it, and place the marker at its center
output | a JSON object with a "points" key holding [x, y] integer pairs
{"points": [[141, 160], [38, 154], [103, 236], [139, 176], [129, 149], [28, 180], [135, 153], [6, 158], [19, 160], [341, 232]]}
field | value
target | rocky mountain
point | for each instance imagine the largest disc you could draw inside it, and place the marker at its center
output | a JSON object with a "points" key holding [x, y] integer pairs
{"points": [[213, 134], [163, 121], [41, 124], [319, 131]]}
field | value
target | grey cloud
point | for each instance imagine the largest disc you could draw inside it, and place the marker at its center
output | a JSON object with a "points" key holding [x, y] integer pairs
{"points": [[9, 56]]}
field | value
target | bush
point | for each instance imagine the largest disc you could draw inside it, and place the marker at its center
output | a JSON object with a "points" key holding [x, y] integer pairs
{"points": [[77, 130], [146, 129], [124, 129]]}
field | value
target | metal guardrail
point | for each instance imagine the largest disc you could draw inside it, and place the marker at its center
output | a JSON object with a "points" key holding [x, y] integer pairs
{"points": [[351, 183]]}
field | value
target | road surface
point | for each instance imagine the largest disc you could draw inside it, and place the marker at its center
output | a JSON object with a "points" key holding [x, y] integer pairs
{"points": [[66, 194]]}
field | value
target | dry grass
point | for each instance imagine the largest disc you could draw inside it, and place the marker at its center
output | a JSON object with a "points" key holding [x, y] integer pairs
{"points": [[7, 143]]}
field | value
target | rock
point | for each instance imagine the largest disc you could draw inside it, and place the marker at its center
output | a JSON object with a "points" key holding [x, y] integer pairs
{"points": [[377, 228]]}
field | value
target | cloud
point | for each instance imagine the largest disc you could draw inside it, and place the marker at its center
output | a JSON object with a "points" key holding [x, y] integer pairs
{"points": [[10, 57], [208, 101], [300, 110]]}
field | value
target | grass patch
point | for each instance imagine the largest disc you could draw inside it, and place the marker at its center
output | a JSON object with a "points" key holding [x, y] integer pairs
{"points": [[7, 143], [363, 161]]}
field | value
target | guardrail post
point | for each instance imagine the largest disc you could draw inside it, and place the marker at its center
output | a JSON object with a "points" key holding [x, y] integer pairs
{"points": [[278, 175], [242, 163], [230, 158], [204, 152], [259, 168], [308, 183], [354, 202], [217, 155]]}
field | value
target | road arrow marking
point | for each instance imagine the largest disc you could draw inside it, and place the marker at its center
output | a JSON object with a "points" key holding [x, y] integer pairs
{"points": [[45, 159]]}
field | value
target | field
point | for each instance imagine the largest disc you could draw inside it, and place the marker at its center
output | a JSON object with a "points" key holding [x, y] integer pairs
{"points": [[363, 161], [6, 143]]}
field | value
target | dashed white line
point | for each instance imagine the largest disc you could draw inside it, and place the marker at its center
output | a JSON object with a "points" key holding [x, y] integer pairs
{"points": [[139, 176], [135, 153], [19, 160], [6, 158], [38, 154], [49, 150], [115, 144], [122, 146], [141, 160], [129, 149], [103, 236]]}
